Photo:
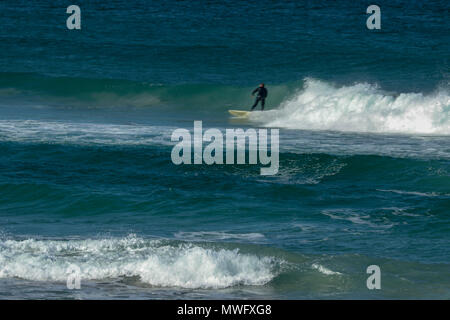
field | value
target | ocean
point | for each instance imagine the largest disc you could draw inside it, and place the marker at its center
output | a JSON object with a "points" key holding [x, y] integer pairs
{"points": [[87, 180]]}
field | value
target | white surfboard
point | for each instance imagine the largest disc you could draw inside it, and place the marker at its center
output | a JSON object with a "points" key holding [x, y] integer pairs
{"points": [[239, 113]]}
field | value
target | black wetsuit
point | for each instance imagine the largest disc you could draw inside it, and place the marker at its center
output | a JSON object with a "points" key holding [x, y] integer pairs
{"points": [[261, 96]]}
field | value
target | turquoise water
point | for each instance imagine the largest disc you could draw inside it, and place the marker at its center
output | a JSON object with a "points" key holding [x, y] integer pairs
{"points": [[86, 176]]}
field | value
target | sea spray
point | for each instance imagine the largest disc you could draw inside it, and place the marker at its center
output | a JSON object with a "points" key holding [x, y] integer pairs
{"points": [[154, 262], [361, 108]]}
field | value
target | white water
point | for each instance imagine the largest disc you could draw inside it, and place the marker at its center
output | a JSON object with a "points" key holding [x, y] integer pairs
{"points": [[154, 262], [324, 270], [63, 132], [360, 108]]}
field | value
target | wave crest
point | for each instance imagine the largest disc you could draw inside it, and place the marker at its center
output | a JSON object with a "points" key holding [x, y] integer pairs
{"points": [[361, 108], [154, 262]]}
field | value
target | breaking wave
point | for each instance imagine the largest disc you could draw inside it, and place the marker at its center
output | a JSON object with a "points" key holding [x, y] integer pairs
{"points": [[154, 262], [360, 108]]}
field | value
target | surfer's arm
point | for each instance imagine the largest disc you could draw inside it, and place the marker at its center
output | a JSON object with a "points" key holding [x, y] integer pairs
{"points": [[254, 91]]}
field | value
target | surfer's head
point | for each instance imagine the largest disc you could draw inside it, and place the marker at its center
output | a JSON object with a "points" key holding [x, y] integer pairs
{"points": [[261, 85]]}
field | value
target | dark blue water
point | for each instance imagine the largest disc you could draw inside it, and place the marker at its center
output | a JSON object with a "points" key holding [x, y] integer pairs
{"points": [[86, 176]]}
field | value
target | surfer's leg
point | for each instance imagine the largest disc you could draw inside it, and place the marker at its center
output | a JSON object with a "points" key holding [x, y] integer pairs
{"points": [[255, 104], [263, 101]]}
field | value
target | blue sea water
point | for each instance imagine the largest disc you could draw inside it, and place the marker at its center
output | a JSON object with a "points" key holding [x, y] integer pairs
{"points": [[86, 176]]}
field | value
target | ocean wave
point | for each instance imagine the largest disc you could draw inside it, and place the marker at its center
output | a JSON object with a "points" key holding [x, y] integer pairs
{"points": [[358, 219], [416, 193], [360, 108], [65, 92], [65, 132], [35, 131], [219, 235], [318, 105], [324, 270], [154, 262]]}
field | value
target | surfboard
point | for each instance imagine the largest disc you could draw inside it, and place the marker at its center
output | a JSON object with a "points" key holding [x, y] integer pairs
{"points": [[239, 113]]}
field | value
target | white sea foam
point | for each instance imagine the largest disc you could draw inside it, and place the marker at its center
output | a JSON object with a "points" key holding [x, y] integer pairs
{"points": [[358, 219], [35, 131], [154, 262], [415, 193], [324, 270], [361, 108], [219, 235]]}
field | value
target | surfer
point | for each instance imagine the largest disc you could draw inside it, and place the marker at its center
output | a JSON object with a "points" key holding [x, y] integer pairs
{"points": [[261, 96]]}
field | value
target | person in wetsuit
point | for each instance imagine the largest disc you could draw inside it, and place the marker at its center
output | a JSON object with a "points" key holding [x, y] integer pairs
{"points": [[261, 96]]}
